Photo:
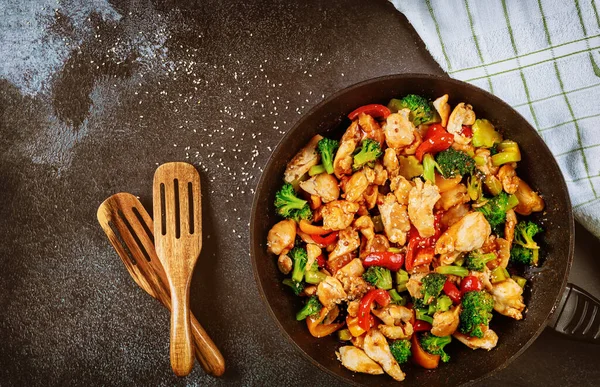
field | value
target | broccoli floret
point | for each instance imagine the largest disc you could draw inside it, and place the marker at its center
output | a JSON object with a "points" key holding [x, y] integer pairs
{"points": [[370, 150], [297, 287], [453, 162], [476, 260], [432, 286], [300, 258], [495, 209], [484, 134], [476, 313], [312, 306], [400, 350], [429, 167], [508, 152], [435, 345], [379, 277], [443, 303], [420, 109], [327, 148], [524, 233], [291, 206], [521, 255]]}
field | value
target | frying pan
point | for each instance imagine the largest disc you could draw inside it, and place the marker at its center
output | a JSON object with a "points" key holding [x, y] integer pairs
{"points": [[573, 308]]}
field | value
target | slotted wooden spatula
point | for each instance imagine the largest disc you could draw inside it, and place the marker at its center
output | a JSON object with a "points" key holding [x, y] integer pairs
{"points": [[130, 230], [178, 240]]}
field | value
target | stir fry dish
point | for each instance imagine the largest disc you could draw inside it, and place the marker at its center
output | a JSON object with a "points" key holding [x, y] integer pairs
{"points": [[406, 234]]}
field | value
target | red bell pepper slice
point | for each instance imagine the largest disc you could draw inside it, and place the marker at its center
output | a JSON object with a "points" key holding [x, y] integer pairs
{"points": [[324, 241], [470, 283], [321, 261], [436, 140], [416, 242], [421, 326], [374, 110], [467, 131], [392, 261], [380, 296], [452, 291]]}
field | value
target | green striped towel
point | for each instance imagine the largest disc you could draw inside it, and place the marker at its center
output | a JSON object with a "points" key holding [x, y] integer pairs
{"points": [[540, 56]]}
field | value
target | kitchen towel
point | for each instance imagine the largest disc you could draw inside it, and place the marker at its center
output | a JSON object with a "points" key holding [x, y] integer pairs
{"points": [[540, 56]]}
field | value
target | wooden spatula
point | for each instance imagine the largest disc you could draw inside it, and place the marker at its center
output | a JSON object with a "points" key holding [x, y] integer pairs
{"points": [[130, 230], [178, 240]]}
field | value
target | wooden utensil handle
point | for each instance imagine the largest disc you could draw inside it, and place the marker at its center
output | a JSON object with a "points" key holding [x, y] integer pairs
{"points": [[181, 350], [207, 353]]}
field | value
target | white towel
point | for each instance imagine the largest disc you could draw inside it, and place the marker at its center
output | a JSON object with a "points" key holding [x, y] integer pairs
{"points": [[540, 56]]}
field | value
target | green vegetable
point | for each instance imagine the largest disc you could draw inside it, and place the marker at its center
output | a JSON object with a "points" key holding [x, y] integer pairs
{"points": [[484, 134], [474, 187], [297, 287], [401, 280], [312, 307], [435, 345], [493, 184], [519, 280], [379, 277], [396, 298], [508, 153], [421, 111], [452, 270], [400, 350], [476, 260], [394, 250], [522, 255], [316, 170], [344, 335], [327, 148], [291, 206], [314, 276], [453, 162], [300, 258], [526, 250], [422, 314], [409, 167], [432, 286], [370, 150], [495, 209], [429, 167], [476, 312], [499, 274], [443, 303]]}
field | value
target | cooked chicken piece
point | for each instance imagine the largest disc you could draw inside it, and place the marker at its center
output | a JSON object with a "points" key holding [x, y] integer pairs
{"points": [[401, 188], [312, 252], [509, 226], [414, 285], [443, 108], [284, 263], [355, 187], [305, 237], [348, 241], [448, 184], [449, 258], [301, 163], [399, 131], [371, 128], [488, 168], [396, 321], [529, 200], [395, 219], [365, 225], [338, 215], [376, 175], [358, 342], [453, 215], [352, 308], [445, 323], [377, 348], [421, 199], [356, 360], [331, 292], [310, 290], [352, 269], [370, 196], [390, 162], [508, 177], [508, 299], [351, 278], [466, 148], [467, 234], [324, 186], [379, 243], [453, 197], [342, 163], [489, 340], [503, 252], [281, 237], [462, 114], [412, 148]]}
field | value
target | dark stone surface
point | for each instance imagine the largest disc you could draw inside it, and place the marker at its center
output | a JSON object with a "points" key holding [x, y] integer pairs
{"points": [[94, 97]]}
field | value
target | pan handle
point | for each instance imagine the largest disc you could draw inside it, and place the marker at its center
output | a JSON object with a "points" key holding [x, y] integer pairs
{"points": [[577, 315]]}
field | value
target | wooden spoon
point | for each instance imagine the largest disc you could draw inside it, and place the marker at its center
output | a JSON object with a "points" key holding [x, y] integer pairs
{"points": [[130, 230], [178, 239]]}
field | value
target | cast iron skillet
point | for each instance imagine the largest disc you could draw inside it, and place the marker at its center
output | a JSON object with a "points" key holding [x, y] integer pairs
{"points": [[537, 167]]}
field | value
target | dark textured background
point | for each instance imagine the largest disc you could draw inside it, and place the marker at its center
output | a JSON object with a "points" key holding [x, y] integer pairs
{"points": [[94, 97]]}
